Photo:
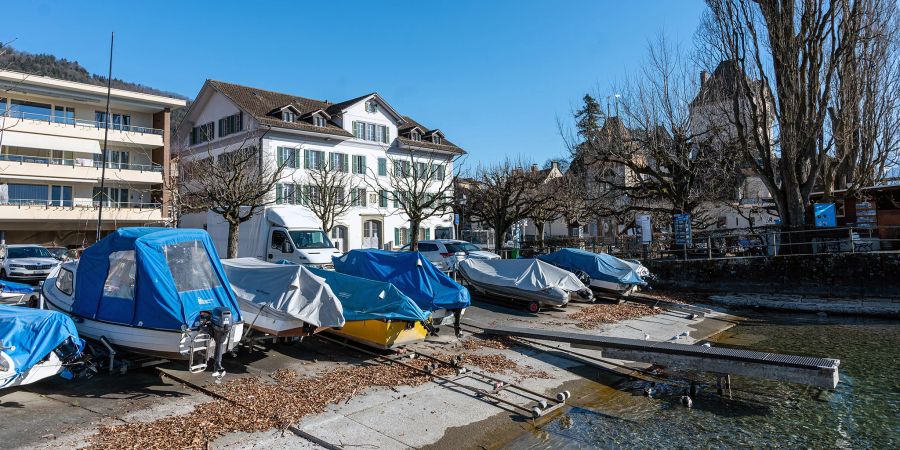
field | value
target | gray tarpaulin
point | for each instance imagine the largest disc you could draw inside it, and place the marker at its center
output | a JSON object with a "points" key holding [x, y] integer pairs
{"points": [[292, 291], [525, 274]]}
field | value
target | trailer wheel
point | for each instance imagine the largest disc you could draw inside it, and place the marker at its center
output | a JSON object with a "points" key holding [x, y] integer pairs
{"points": [[33, 302], [534, 307]]}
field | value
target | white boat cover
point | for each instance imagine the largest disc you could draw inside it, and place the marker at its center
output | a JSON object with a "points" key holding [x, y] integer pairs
{"points": [[525, 274], [289, 290]]}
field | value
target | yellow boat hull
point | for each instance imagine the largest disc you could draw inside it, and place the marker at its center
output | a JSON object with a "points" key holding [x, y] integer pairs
{"points": [[380, 333]]}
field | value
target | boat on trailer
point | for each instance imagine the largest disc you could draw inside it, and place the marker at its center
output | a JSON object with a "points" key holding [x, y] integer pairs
{"points": [[282, 300], [437, 294], [377, 314], [12, 293], [537, 283], [159, 292], [36, 344], [601, 271]]}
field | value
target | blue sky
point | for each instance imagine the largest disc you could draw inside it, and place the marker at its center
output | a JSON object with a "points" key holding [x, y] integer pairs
{"points": [[493, 75]]}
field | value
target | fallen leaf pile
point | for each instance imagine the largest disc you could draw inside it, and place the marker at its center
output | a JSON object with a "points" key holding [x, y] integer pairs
{"points": [[264, 406], [498, 342], [278, 403], [593, 316]]}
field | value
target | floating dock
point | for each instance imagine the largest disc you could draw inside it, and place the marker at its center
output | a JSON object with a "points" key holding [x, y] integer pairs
{"points": [[819, 372]]}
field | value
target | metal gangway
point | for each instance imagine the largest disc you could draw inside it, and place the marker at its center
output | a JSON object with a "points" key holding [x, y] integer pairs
{"points": [[819, 372]]}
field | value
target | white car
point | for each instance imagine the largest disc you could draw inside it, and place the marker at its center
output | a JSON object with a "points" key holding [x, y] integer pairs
{"points": [[26, 263], [446, 253]]}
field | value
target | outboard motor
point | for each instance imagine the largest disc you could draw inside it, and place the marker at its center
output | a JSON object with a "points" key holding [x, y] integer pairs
{"points": [[220, 325]]}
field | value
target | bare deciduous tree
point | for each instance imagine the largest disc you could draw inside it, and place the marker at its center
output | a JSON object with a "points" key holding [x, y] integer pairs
{"points": [[653, 157], [865, 110], [325, 192], [420, 184], [503, 194], [787, 54], [235, 184]]}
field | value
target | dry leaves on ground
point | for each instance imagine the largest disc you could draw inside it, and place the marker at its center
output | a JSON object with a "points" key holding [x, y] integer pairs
{"points": [[593, 316], [263, 406], [498, 342]]}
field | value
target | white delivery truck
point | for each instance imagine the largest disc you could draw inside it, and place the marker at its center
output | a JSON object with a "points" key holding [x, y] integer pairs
{"points": [[277, 233]]}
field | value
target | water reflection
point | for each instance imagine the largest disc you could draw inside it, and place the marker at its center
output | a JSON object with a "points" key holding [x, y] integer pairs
{"points": [[864, 411]]}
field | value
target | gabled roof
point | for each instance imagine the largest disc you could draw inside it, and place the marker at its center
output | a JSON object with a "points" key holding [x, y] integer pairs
{"points": [[445, 145], [260, 102], [337, 108]]}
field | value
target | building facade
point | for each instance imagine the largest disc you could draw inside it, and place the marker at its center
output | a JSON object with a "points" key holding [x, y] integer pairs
{"points": [[51, 142], [363, 136]]}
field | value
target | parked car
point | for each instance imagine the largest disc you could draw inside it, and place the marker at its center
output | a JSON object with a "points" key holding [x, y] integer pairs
{"points": [[60, 253], [26, 262], [446, 253]]}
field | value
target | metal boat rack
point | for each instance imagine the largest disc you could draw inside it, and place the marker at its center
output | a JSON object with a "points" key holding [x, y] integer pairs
{"points": [[105, 356]]}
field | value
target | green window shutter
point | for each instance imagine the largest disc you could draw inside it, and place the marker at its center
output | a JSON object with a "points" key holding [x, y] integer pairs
{"points": [[306, 159], [353, 162], [397, 237], [278, 189], [362, 165], [397, 199], [279, 152], [427, 234], [382, 167], [297, 158]]}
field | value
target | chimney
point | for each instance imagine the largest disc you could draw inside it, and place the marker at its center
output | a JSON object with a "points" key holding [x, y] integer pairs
{"points": [[534, 168], [704, 76], [554, 165]]}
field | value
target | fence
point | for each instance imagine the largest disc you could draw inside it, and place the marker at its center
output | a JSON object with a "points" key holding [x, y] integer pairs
{"points": [[758, 242]]}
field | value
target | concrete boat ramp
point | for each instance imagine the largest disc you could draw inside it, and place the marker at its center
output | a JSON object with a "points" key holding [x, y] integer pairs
{"points": [[62, 414]]}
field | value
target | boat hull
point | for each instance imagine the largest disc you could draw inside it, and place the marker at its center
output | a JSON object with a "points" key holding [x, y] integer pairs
{"points": [[544, 299], [48, 367], [380, 333], [168, 344], [615, 288], [275, 326]]}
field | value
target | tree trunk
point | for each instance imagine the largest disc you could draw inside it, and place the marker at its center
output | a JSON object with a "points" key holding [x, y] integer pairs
{"points": [[539, 226], [498, 239], [414, 235], [233, 232]]}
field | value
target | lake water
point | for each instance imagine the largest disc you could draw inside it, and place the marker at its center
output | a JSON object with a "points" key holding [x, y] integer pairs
{"points": [[863, 412]]}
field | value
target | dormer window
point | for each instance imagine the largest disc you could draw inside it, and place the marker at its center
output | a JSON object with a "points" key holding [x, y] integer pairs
{"points": [[436, 139], [319, 121], [288, 116], [415, 135], [371, 106]]}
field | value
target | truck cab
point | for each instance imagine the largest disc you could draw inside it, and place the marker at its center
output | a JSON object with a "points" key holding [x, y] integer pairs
{"points": [[278, 233], [301, 245]]}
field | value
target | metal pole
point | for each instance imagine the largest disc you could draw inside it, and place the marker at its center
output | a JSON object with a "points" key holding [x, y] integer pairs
{"points": [[708, 247], [106, 123]]}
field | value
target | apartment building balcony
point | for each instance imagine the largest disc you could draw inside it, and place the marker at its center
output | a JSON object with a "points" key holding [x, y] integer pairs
{"points": [[76, 169], [18, 213], [28, 122]]}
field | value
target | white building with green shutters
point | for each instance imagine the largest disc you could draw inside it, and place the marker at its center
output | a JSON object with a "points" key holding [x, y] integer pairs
{"points": [[363, 136]]}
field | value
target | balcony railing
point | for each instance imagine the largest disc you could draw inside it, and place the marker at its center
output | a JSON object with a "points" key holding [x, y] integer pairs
{"points": [[86, 204], [79, 122], [79, 162]]}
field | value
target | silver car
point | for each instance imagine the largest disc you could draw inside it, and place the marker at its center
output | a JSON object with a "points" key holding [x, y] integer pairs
{"points": [[446, 253]]}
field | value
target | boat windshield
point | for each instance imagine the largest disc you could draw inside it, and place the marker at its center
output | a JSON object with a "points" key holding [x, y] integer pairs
{"points": [[190, 266], [27, 252], [310, 239]]}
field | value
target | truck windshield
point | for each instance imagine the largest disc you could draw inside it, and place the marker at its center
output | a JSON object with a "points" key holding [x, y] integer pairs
{"points": [[310, 239]]}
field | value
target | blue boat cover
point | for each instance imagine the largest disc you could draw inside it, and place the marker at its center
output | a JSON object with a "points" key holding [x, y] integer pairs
{"points": [[34, 333], [15, 288], [410, 272], [364, 299], [599, 266], [158, 278]]}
